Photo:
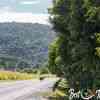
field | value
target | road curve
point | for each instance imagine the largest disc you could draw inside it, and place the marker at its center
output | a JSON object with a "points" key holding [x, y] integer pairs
{"points": [[22, 90]]}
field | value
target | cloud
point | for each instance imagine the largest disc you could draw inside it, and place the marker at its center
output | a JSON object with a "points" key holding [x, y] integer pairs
{"points": [[24, 17], [5, 9], [29, 2]]}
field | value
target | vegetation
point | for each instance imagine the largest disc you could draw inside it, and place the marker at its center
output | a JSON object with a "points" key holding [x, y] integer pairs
{"points": [[75, 54], [8, 75], [60, 92], [24, 45], [41, 70]]}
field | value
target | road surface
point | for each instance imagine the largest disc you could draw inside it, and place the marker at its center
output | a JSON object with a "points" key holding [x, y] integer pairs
{"points": [[24, 90]]}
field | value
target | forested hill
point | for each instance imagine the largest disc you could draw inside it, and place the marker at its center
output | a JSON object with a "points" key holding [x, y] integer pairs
{"points": [[25, 41]]}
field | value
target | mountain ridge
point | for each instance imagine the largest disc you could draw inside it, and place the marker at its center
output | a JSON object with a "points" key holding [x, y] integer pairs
{"points": [[26, 41]]}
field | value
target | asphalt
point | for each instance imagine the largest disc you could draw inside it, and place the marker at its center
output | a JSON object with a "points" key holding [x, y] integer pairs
{"points": [[25, 90]]}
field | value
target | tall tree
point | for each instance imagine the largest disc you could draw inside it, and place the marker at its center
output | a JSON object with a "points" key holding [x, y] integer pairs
{"points": [[77, 22]]}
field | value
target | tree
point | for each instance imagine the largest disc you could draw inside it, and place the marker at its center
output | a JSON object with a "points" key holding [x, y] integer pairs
{"points": [[76, 22], [2, 64], [54, 57]]}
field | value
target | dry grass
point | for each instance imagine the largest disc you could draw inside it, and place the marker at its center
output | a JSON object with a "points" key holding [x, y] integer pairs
{"points": [[8, 75]]}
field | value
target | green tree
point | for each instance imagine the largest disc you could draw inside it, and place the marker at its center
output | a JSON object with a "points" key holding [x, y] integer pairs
{"points": [[54, 56], [76, 22], [2, 64]]}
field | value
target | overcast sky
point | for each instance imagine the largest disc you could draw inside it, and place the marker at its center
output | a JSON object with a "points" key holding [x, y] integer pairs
{"points": [[24, 10]]}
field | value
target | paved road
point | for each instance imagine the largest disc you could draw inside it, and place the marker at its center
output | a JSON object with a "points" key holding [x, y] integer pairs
{"points": [[24, 90]]}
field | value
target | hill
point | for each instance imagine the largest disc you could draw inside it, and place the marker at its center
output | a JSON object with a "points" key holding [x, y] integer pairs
{"points": [[24, 43]]}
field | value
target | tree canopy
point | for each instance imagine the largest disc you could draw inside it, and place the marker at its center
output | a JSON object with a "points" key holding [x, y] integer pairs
{"points": [[76, 51]]}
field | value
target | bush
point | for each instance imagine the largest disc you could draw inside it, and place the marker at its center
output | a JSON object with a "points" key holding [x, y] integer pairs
{"points": [[60, 91], [44, 70]]}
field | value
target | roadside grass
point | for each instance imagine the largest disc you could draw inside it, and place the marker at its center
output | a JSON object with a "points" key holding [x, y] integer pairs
{"points": [[60, 92], [12, 76], [47, 76], [8, 75]]}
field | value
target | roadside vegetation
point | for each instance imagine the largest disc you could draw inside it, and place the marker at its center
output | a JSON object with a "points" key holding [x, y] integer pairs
{"points": [[8, 75], [75, 53], [60, 90], [26, 74]]}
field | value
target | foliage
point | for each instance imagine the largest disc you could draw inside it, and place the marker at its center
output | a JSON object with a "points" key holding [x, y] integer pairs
{"points": [[76, 22], [54, 56], [63, 85], [28, 70], [43, 70], [61, 91], [24, 44]]}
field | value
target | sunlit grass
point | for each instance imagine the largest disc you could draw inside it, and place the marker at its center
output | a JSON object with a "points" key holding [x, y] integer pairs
{"points": [[8, 75]]}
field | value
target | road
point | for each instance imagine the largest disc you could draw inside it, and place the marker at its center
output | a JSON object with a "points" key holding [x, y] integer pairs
{"points": [[24, 90]]}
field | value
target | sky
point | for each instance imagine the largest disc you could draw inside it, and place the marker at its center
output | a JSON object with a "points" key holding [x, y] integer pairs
{"points": [[34, 11]]}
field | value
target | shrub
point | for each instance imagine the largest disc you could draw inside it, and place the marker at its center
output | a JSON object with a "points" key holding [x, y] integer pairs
{"points": [[60, 91]]}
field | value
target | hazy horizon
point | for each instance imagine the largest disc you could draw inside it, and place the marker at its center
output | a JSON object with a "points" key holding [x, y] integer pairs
{"points": [[29, 11]]}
